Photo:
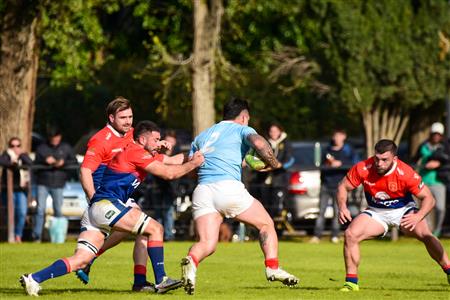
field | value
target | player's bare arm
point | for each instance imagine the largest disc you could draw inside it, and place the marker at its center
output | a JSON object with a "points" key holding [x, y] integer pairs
{"points": [[177, 159], [427, 200], [170, 172], [87, 182], [341, 195], [264, 150]]}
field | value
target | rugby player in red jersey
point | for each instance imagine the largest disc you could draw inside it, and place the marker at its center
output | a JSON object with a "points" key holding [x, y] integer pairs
{"points": [[101, 148], [107, 210], [389, 185]]}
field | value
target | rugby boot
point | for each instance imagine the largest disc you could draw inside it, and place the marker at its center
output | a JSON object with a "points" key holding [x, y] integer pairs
{"points": [[30, 286], [188, 272], [146, 287], [167, 284], [350, 287], [83, 274], [281, 275]]}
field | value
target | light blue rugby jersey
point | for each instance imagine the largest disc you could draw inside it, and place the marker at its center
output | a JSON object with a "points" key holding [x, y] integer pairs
{"points": [[224, 146]]}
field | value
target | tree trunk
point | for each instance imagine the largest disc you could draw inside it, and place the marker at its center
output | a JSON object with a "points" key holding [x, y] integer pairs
{"points": [[383, 123], [18, 70], [207, 20]]}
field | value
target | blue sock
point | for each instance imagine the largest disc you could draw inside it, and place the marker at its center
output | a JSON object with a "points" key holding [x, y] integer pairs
{"points": [[353, 278], [58, 268], [156, 253], [140, 274]]}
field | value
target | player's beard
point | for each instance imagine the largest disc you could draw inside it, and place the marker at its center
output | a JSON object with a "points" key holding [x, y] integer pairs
{"points": [[382, 172]]}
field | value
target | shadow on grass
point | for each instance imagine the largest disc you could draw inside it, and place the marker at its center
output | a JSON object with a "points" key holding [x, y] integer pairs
{"points": [[21, 292], [432, 288], [308, 288]]}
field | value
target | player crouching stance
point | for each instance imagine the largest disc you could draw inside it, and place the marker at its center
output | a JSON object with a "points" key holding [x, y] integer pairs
{"points": [[107, 210], [220, 192], [388, 184]]}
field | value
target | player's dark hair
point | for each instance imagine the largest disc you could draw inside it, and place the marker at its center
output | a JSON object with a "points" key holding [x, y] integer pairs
{"points": [[234, 107], [385, 145], [144, 127], [116, 105]]}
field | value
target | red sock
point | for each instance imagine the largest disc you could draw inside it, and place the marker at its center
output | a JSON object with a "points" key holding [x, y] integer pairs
{"points": [[194, 259], [100, 252], [446, 269], [271, 263]]}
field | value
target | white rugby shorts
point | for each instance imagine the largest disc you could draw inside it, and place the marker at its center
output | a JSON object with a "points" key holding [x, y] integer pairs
{"points": [[102, 215], [389, 217], [227, 197]]}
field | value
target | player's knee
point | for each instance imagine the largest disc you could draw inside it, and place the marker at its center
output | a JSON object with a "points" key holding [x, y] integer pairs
{"points": [[141, 240], [155, 230], [267, 225], [350, 236], [424, 236]]}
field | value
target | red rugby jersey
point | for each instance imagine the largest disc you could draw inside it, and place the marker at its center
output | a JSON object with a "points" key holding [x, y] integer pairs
{"points": [[391, 190], [102, 147]]}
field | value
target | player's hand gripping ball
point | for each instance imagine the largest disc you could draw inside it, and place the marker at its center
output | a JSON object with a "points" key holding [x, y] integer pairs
{"points": [[254, 161]]}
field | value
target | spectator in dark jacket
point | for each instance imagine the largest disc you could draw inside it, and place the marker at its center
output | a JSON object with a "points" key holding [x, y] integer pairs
{"points": [[336, 156], [13, 158], [54, 156], [273, 185]]}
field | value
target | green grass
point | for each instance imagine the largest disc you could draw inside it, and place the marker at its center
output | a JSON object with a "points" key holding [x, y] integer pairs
{"points": [[401, 270]]}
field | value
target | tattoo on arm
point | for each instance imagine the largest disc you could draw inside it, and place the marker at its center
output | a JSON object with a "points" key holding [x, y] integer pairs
{"points": [[263, 239], [263, 148]]}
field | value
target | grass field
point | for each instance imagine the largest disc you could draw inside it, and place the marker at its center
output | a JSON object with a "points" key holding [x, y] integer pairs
{"points": [[401, 270]]}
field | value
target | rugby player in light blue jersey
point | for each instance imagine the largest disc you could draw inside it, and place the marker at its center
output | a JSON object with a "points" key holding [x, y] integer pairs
{"points": [[220, 192]]}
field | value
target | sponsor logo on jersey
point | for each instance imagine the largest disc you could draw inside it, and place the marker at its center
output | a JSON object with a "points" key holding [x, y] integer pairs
{"points": [[109, 214], [392, 186], [116, 150], [381, 196]]}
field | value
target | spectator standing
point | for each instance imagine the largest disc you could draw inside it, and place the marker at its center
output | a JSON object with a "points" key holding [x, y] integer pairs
{"points": [[54, 155], [273, 184], [165, 193], [13, 158], [429, 162], [336, 156]]}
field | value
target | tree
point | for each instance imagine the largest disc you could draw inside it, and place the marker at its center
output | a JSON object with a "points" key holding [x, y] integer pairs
{"points": [[18, 69], [382, 57], [61, 39], [207, 23]]}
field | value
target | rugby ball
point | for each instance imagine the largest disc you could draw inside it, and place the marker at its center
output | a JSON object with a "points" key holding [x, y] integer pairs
{"points": [[254, 161]]}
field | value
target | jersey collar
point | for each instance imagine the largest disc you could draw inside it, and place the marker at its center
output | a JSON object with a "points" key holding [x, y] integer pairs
{"points": [[392, 169], [114, 131]]}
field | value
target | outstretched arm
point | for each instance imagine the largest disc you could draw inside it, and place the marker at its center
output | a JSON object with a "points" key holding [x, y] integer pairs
{"points": [[264, 150], [177, 159], [170, 172]]}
